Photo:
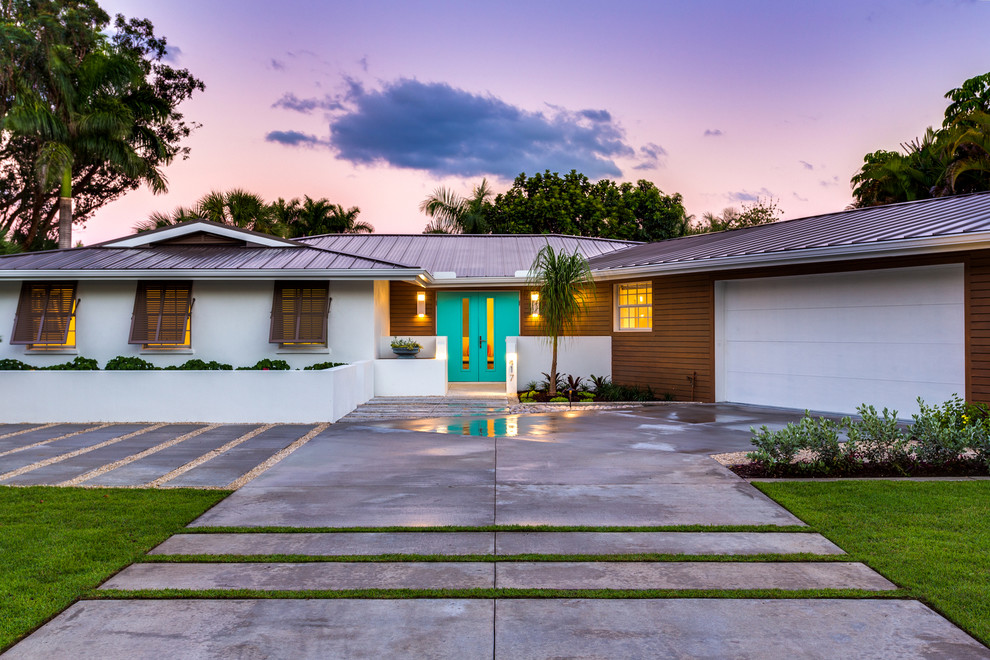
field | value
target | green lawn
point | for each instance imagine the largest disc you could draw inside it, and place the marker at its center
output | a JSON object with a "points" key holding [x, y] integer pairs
{"points": [[57, 543], [932, 538]]}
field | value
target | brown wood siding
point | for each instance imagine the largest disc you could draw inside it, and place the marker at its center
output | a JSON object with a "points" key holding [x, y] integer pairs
{"points": [[678, 349], [978, 328], [403, 320]]}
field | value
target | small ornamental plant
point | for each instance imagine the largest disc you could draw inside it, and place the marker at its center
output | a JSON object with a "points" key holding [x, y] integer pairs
{"points": [[408, 344]]}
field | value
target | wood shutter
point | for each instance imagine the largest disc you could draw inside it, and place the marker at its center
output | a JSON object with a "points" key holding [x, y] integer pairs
{"points": [[161, 313], [299, 313], [44, 312]]}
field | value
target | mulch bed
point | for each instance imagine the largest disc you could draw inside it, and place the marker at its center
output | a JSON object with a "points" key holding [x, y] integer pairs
{"points": [[961, 468]]}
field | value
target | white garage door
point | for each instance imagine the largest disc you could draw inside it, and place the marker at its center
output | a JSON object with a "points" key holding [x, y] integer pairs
{"points": [[832, 342]]}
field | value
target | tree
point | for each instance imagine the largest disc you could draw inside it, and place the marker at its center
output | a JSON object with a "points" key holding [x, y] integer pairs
{"points": [[550, 204], [561, 279], [760, 212], [453, 214], [949, 160], [84, 114], [320, 216]]}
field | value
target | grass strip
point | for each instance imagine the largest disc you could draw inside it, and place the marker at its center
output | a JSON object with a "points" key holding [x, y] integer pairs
{"points": [[58, 543], [499, 528], [166, 594], [929, 537], [641, 557]]}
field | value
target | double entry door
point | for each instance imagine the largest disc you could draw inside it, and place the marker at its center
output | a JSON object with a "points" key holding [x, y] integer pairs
{"points": [[476, 325]]}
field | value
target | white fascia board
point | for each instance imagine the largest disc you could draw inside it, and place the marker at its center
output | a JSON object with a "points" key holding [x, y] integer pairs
{"points": [[215, 274], [462, 282], [150, 238], [905, 248]]}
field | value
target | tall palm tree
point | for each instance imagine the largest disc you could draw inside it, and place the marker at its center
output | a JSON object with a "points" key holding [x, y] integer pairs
{"points": [[453, 214], [560, 279], [92, 112], [320, 216]]}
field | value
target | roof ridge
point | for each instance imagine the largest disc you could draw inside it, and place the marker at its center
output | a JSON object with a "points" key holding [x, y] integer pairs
{"points": [[376, 234]]}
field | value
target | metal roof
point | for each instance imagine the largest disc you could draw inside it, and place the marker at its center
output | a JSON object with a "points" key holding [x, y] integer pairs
{"points": [[192, 257], [882, 227], [467, 255]]}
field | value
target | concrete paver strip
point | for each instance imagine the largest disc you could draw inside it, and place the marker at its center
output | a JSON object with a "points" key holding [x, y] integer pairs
{"points": [[739, 629], [353, 506], [68, 447], [307, 575], [332, 544], [638, 505], [166, 460], [71, 465], [208, 456], [7, 430], [40, 435], [689, 575], [301, 629], [674, 543], [237, 461]]}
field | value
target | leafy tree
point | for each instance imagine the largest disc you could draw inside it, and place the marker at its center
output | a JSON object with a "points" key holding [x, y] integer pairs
{"points": [[560, 278], [550, 204], [320, 216], [83, 114], [949, 160], [453, 214], [760, 212]]}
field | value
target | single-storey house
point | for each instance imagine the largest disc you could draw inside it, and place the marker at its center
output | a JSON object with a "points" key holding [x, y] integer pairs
{"points": [[877, 305]]}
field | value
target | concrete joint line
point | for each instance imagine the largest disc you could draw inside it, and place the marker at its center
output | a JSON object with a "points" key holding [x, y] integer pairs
{"points": [[196, 462], [45, 442], [27, 430], [135, 457], [275, 458], [78, 452]]}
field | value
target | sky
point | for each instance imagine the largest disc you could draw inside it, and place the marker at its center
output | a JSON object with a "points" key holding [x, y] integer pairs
{"points": [[375, 104]]}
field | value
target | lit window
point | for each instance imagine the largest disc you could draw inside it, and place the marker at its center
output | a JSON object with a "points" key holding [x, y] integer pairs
{"points": [[162, 318], [299, 314], [634, 304], [46, 316]]}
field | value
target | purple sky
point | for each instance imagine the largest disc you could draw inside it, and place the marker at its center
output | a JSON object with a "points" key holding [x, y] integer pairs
{"points": [[375, 104]]}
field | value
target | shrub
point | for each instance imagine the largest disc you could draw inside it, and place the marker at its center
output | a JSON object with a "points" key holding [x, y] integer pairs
{"points": [[408, 344], [599, 381], [586, 396], [527, 397], [776, 449], [875, 438], [10, 364], [574, 383], [613, 392], [545, 385], [122, 363], [199, 365], [559, 399], [267, 365], [821, 436], [323, 365], [940, 433], [76, 364], [532, 385]]}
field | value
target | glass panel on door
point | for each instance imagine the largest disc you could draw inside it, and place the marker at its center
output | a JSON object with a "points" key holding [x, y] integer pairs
{"points": [[490, 340]]}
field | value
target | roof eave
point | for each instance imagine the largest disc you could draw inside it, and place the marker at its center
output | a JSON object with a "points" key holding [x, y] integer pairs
{"points": [[908, 247], [401, 274]]}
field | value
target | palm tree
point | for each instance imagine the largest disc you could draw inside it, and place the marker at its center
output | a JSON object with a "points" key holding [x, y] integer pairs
{"points": [[560, 279], [453, 214], [91, 113], [158, 220], [320, 216]]}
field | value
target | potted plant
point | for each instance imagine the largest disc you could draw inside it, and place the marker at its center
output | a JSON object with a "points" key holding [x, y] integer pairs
{"points": [[405, 348]]}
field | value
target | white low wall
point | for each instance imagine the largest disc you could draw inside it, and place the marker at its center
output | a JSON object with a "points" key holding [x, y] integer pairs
{"points": [[428, 342], [410, 377], [576, 356], [185, 396]]}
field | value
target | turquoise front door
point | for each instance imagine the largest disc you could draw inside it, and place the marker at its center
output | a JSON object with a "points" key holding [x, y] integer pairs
{"points": [[476, 325]]}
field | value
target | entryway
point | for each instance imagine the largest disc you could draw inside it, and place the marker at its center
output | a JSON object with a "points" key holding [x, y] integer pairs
{"points": [[476, 325]]}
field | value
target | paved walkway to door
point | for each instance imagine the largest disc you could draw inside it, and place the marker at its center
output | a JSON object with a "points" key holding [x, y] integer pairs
{"points": [[637, 470], [461, 399]]}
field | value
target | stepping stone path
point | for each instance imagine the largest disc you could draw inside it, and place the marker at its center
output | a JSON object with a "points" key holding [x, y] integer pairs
{"points": [[356, 475]]}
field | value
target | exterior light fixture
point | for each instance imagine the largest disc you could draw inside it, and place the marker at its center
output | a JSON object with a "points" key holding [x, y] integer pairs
{"points": [[421, 304], [534, 303]]}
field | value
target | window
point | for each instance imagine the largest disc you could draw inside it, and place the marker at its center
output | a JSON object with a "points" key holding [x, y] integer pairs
{"points": [[299, 314], [162, 316], [634, 305], [46, 315]]}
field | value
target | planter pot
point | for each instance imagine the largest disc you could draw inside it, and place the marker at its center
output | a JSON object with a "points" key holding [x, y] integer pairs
{"points": [[406, 353]]}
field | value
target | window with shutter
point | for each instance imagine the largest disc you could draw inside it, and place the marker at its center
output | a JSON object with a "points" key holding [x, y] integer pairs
{"points": [[46, 314], [299, 314], [162, 316]]}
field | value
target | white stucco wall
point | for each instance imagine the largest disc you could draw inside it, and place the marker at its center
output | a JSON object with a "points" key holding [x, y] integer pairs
{"points": [[184, 396], [576, 356], [428, 342], [230, 323], [410, 377]]}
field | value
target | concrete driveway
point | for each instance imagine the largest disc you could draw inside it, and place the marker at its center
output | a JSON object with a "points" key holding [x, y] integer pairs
{"points": [[639, 470]]}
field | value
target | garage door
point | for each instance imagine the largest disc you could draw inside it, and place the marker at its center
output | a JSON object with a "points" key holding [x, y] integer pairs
{"points": [[831, 342]]}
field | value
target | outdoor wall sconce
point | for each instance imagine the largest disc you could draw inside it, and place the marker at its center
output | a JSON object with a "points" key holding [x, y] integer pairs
{"points": [[534, 303], [420, 304]]}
